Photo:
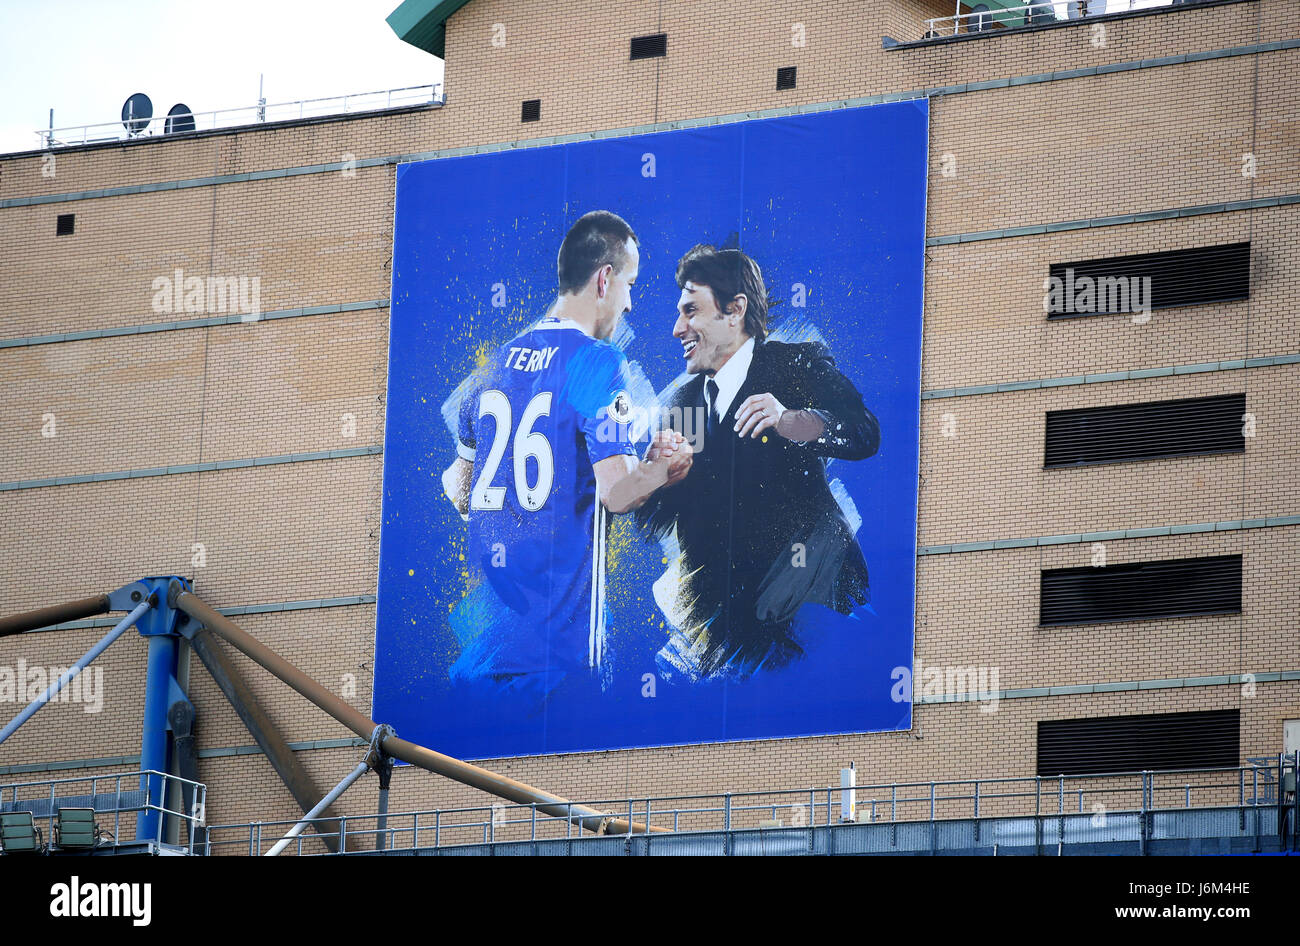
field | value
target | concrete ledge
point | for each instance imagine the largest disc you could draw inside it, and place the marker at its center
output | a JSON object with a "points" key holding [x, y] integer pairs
{"points": [[189, 468]]}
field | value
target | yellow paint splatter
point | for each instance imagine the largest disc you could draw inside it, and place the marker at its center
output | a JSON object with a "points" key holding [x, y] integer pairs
{"points": [[410, 571]]}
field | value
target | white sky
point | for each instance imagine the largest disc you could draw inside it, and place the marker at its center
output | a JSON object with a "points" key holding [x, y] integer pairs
{"points": [[84, 57]]}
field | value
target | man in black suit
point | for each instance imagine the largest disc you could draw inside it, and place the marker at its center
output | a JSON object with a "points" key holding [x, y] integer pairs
{"points": [[759, 531]]}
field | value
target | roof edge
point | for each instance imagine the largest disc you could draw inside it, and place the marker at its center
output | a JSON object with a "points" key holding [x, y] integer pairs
{"points": [[423, 23]]}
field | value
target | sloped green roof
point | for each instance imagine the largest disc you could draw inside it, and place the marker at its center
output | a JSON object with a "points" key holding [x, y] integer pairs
{"points": [[423, 23]]}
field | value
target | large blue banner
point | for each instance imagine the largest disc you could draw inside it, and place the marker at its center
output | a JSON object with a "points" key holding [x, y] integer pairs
{"points": [[650, 467]]}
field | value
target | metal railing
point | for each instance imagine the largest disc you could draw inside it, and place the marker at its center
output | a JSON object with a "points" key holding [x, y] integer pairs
{"points": [[899, 802], [108, 797], [985, 16], [162, 125]]}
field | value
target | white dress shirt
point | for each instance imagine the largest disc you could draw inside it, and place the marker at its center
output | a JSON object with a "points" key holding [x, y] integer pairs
{"points": [[731, 376]]}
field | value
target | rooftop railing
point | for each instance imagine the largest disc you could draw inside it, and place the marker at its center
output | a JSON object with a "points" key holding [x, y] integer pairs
{"points": [[1242, 787], [115, 795], [162, 125], [989, 15]]}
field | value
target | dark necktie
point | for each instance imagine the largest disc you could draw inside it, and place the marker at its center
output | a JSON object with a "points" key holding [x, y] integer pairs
{"points": [[711, 425]]}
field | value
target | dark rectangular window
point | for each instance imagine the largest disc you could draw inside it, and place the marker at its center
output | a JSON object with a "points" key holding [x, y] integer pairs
{"points": [[650, 47], [532, 111], [1140, 591], [1156, 742], [1176, 277], [786, 77], [65, 224], [1123, 432]]}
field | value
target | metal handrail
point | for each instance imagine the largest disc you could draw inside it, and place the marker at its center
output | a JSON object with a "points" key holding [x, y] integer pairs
{"points": [[1029, 14], [247, 115], [194, 818], [490, 823]]}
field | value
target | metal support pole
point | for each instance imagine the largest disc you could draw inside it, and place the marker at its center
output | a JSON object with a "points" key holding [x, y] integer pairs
{"points": [[385, 771], [53, 689], [1060, 812], [1142, 815], [425, 758], [931, 818], [1038, 809], [177, 792], [240, 695], [1254, 803], [1281, 802], [153, 734], [726, 825], [1295, 800], [55, 614], [361, 769], [181, 718]]}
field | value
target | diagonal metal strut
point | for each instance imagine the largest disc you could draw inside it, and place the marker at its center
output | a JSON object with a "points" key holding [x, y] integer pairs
{"points": [[455, 769]]}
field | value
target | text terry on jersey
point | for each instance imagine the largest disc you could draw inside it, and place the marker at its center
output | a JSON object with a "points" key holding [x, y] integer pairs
{"points": [[530, 359]]}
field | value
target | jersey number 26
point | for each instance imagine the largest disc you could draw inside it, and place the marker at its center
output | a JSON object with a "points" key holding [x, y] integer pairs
{"points": [[527, 443]]}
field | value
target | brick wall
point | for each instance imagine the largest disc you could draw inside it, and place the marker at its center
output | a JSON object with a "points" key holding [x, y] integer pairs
{"points": [[1047, 152]]}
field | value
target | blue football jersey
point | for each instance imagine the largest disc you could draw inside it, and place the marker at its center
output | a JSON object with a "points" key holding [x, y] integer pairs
{"points": [[547, 406]]}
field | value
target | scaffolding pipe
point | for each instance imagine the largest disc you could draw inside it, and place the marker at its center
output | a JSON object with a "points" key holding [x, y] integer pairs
{"points": [[334, 793], [490, 782], [56, 685], [55, 614], [381, 825]]}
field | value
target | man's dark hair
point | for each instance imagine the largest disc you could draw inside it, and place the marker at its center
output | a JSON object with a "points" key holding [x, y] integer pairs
{"points": [[728, 273], [597, 239]]}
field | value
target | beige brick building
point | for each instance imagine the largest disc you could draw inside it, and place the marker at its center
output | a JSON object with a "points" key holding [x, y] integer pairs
{"points": [[1045, 144]]}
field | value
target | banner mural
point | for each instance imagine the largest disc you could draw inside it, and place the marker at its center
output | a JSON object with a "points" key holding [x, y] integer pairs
{"points": [[650, 462]]}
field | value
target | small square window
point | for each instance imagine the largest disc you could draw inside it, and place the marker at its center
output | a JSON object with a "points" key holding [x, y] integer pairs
{"points": [[532, 111], [785, 77], [65, 225]]}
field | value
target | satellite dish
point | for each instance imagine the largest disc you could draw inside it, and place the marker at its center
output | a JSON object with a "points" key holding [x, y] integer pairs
{"points": [[136, 113], [179, 119]]}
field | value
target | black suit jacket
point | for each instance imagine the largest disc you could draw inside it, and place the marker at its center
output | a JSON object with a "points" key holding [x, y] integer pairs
{"points": [[759, 530]]}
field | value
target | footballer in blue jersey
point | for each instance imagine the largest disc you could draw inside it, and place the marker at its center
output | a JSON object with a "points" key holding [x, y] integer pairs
{"points": [[545, 453]]}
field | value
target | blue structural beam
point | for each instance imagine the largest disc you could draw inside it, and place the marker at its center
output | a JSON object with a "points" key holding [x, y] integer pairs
{"points": [[161, 628]]}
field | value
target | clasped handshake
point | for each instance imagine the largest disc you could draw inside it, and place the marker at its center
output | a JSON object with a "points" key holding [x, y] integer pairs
{"points": [[672, 452]]}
